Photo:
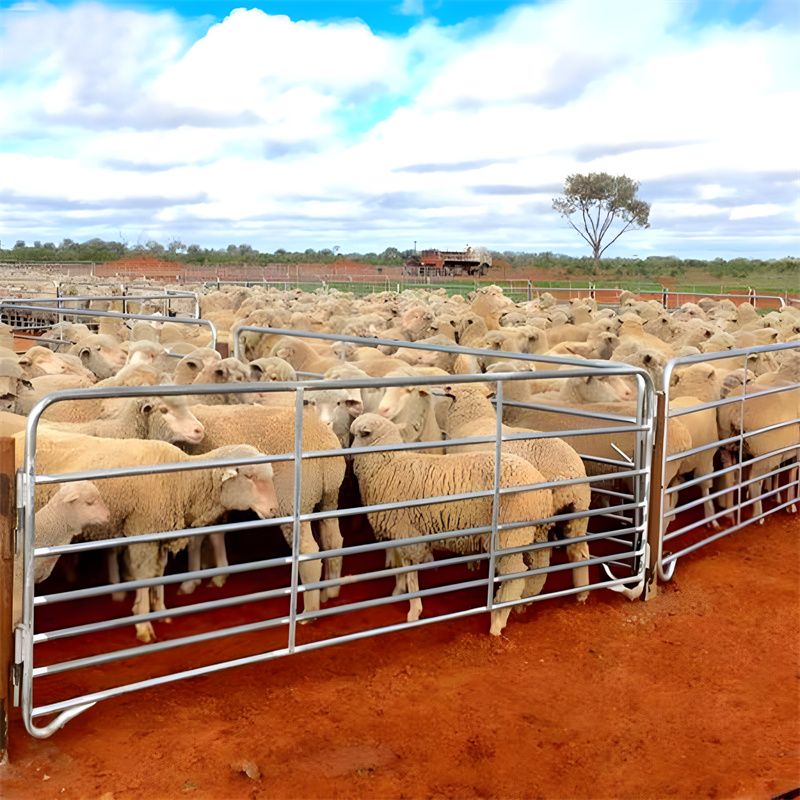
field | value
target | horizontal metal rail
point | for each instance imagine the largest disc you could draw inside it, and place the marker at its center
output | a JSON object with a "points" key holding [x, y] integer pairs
{"points": [[623, 524], [64, 312], [736, 478]]}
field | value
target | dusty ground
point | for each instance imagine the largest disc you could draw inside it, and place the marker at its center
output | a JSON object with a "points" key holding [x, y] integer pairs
{"points": [[695, 694]]}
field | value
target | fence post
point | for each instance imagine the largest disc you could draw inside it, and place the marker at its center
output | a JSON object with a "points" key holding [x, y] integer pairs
{"points": [[8, 517], [655, 511]]}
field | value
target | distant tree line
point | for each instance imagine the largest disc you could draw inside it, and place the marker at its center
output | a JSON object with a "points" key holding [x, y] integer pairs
{"points": [[509, 261]]}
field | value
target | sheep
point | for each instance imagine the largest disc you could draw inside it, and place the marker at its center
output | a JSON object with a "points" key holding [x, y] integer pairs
{"points": [[702, 428], [600, 346], [385, 477], [191, 365], [224, 371], [334, 410], [759, 411], [155, 502], [470, 413], [38, 361], [103, 355], [13, 386], [165, 418], [72, 508], [696, 380], [272, 369], [271, 430], [414, 410], [367, 398], [302, 356]]}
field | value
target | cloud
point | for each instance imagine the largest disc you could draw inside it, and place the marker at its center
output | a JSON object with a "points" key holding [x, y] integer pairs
{"points": [[293, 133]]}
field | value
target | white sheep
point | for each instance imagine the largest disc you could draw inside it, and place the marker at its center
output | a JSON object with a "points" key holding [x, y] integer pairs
{"points": [[470, 413], [385, 477], [155, 502], [271, 430]]}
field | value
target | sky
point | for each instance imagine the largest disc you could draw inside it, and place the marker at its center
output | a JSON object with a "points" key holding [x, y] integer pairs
{"points": [[362, 125]]}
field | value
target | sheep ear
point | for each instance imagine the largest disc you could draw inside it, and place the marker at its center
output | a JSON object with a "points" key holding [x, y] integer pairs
{"points": [[228, 473], [145, 406], [85, 353]]}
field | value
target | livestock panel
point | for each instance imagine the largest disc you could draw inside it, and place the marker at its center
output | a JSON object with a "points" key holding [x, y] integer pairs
{"points": [[259, 613], [37, 316], [745, 465]]}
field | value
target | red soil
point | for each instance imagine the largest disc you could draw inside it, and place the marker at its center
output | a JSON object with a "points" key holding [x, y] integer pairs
{"points": [[694, 694]]}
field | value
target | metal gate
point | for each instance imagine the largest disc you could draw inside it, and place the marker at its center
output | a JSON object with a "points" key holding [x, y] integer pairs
{"points": [[270, 608], [750, 460]]}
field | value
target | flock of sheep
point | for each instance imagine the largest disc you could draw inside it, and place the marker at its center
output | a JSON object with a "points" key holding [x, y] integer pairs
{"points": [[548, 479]]}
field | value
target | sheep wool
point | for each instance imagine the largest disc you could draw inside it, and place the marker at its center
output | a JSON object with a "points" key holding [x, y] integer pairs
{"points": [[385, 477]]}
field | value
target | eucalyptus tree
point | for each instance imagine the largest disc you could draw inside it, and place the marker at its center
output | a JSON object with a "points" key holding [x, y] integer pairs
{"points": [[607, 206]]}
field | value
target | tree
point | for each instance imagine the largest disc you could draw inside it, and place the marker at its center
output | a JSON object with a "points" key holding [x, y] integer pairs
{"points": [[602, 200]]}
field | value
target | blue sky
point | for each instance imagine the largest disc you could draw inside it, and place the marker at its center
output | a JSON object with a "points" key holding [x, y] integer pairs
{"points": [[370, 124]]}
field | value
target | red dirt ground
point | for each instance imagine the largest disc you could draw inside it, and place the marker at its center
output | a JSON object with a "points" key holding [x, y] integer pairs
{"points": [[695, 694]]}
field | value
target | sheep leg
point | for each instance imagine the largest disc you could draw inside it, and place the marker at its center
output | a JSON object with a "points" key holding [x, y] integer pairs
{"points": [[708, 505], [310, 571], [195, 550], [157, 600], [400, 582], [535, 559], [220, 557], [141, 605], [112, 557], [415, 603], [331, 539], [511, 590], [578, 552]]}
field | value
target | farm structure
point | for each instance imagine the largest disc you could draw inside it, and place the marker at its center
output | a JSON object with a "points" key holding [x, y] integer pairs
{"points": [[437, 263], [625, 487]]}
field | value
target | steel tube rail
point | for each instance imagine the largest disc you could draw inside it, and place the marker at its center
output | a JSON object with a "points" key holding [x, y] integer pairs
{"points": [[62, 312], [605, 366], [626, 537], [667, 563]]}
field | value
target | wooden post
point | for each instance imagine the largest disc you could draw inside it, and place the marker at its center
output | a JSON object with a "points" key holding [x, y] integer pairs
{"points": [[8, 522], [655, 511]]}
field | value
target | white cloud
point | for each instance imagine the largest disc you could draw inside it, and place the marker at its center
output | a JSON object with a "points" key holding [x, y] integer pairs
{"points": [[755, 211], [260, 123]]}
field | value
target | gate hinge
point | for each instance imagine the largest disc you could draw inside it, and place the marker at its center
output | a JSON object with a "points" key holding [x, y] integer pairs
{"points": [[16, 667]]}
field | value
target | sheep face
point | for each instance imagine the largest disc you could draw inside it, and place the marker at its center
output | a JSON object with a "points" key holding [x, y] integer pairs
{"points": [[372, 429], [599, 389], [84, 506], [249, 488], [169, 419], [101, 355]]}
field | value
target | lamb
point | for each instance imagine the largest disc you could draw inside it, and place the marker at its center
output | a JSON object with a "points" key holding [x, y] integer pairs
{"points": [[385, 477], [73, 507], [271, 430], [470, 413], [155, 502]]}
